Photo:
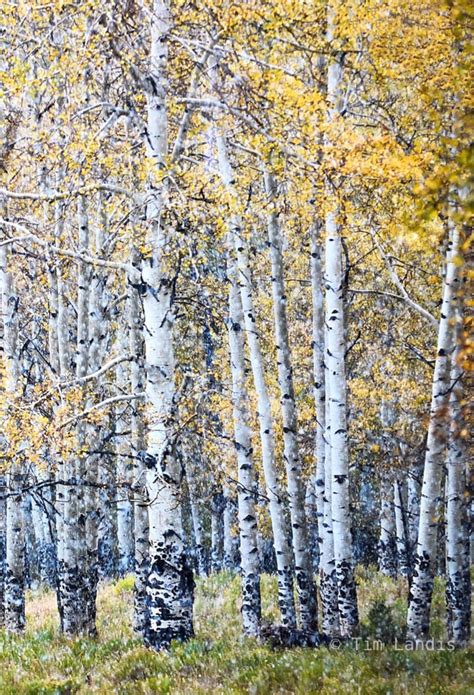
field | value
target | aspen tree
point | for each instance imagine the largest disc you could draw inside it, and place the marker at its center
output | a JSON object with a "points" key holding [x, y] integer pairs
{"points": [[301, 549], [280, 533], [249, 562], [336, 389], [458, 581], [13, 590], [425, 558], [170, 581]]}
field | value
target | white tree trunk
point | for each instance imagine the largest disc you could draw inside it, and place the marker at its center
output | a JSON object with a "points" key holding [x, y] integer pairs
{"points": [[140, 508], [14, 592], [336, 380], [248, 534], [170, 580], [458, 580], [319, 389], [3, 541], [425, 560], [196, 513], [413, 506], [327, 571], [338, 444], [124, 477], [228, 560], [387, 544], [274, 493], [305, 584], [217, 528], [77, 586], [322, 481], [402, 543], [40, 509]]}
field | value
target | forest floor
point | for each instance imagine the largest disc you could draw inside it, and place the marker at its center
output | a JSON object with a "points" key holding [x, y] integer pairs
{"points": [[219, 660]]}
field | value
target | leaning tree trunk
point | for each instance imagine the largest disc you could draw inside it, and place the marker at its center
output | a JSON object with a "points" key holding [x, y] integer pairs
{"points": [[425, 560], [248, 534], [277, 513], [306, 587], [458, 580], [170, 579]]}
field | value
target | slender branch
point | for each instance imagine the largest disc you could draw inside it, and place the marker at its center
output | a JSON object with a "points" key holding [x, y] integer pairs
{"points": [[398, 283], [99, 372], [84, 190], [116, 265], [102, 404]]}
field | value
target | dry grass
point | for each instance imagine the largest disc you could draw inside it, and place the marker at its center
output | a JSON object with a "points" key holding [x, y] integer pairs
{"points": [[219, 660]]}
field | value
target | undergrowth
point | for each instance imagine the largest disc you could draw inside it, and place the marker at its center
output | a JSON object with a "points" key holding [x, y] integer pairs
{"points": [[220, 660]]}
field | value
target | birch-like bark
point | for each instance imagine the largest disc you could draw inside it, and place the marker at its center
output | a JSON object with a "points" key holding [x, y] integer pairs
{"points": [[327, 572], [322, 483], [14, 590], [124, 478], [458, 580], [425, 559], [31, 576], [170, 580], [3, 540], [196, 515], [217, 528], [401, 529], [140, 508], [77, 588], [107, 546], [274, 493], [229, 518], [45, 541], [305, 584], [319, 389], [248, 534], [64, 365], [415, 474], [336, 389], [387, 543]]}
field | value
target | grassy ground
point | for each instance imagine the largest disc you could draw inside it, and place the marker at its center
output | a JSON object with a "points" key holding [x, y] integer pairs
{"points": [[219, 660]]}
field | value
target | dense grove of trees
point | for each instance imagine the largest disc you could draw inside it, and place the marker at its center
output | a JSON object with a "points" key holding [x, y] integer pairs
{"points": [[234, 256]]}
